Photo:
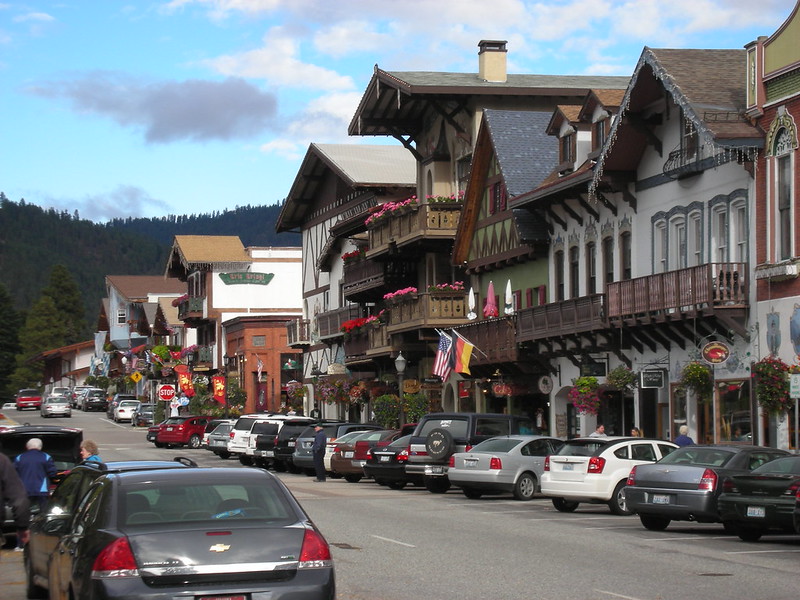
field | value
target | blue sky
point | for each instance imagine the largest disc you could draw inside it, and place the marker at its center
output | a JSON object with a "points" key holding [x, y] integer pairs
{"points": [[148, 108]]}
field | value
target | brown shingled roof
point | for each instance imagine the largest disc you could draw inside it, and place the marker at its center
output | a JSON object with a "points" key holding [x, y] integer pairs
{"points": [[211, 248], [137, 287]]}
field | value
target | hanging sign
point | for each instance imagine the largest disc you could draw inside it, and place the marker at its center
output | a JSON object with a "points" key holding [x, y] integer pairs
{"points": [[246, 277], [652, 378], [715, 353]]}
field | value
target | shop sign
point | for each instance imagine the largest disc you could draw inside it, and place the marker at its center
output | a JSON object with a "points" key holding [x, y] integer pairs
{"points": [[715, 353], [238, 278], [652, 378]]}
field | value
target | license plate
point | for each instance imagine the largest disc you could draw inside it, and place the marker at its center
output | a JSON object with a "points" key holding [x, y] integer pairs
{"points": [[660, 499], [434, 471], [169, 428], [470, 463], [756, 511], [292, 444], [348, 455], [566, 467], [236, 597], [385, 458], [359, 463]]}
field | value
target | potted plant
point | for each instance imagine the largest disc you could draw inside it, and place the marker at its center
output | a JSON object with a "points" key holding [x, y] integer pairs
{"points": [[771, 377], [400, 295], [698, 378], [623, 379], [456, 286], [585, 395]]}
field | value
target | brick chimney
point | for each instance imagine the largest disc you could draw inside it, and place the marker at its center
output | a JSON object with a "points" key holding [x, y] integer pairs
{"points": [[492, 61]]}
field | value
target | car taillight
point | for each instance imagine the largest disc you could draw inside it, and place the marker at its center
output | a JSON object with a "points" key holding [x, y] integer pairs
{"points": [[596, 464], [315, 553], [631, 477], [451, 462], [728, 486], [230, 435], [468, 448], [547, 463], [115, 560], [275, 441], [708, 481], [402, 456], [495, 463], [793, 490], [369, 453]]}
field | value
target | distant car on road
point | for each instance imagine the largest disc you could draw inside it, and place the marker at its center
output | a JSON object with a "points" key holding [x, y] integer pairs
{"points": [[142, 415], [93, 399], [28, 398], [56, 406], [187, 430], [115, 402]]}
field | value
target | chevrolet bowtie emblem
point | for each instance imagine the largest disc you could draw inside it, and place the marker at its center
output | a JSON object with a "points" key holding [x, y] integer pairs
{"points": [[219, 548]]}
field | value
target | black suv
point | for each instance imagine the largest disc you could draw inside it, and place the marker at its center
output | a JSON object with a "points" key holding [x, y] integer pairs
{"points": [[303, 457], [440, 435], [279, 448]]}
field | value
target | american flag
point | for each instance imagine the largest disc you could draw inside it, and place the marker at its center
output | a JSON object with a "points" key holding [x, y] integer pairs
{"points": [[441, 365], [260, 366]]}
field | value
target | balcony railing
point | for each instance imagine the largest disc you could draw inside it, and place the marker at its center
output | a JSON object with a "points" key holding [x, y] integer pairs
{"points": [[205, 355], [371, 276], [690, 290], [191, 308], [298, 332], [329, 324], [372, 341], [425, 222], [432, 309], [356, 344], [496, 339], [560, 318]]}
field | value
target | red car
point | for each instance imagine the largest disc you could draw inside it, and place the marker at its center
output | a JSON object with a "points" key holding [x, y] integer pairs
{"points": [[29, 398], [182, 431]]}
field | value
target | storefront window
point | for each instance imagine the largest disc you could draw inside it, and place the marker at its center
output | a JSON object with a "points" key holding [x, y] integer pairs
{"points": [[678, 411], [735, 417]]}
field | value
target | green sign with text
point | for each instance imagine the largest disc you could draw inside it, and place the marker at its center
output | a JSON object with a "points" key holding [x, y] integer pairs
{"points": [[246, 277]]}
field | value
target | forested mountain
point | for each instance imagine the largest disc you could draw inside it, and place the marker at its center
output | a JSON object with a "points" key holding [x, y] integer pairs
{"points": [[33, 240]]}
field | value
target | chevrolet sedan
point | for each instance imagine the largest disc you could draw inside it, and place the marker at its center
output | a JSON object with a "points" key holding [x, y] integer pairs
{"points": [[508, 464], [217, 533], [685, 485]]}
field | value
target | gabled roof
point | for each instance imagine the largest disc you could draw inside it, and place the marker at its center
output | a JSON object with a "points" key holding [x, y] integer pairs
{"points": [[563, 112], [359, 166], [137, 287], [608, 99], [170, 312], [395, 101], [192, 251], [708, 85]]}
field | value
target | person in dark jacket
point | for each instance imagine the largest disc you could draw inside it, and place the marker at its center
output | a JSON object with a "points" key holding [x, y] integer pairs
{"points": [[318, 450], [36, 468], [12, 493]]}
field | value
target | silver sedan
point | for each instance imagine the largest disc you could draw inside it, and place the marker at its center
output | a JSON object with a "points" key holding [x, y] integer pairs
{"points": [[502, 464]]}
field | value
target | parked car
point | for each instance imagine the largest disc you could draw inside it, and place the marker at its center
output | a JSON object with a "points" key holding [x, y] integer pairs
{"points": [[93, 399], [123, 411], [387, 465], [217, 440], [284, 444], [62, 391], [349, 457], [142, 415], [796, 513], [763, 500], [182, 431], [28, 398], [55, 406], [596, 470], [115, 402], [152, 539], [303, 457], [240, 434], [61, 508], [77, 393], [259, 451], [685, 484], [152, 433], [508, 464], [211, 426], [440, 435]]}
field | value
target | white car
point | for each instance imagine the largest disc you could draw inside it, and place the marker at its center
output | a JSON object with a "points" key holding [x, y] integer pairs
{"points": [[331, 445], [125, 409], [55, 406], [595, 469]]}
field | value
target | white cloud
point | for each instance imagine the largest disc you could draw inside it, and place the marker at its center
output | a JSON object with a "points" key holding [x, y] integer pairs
{"points": [[122, 201], [33, 17]]}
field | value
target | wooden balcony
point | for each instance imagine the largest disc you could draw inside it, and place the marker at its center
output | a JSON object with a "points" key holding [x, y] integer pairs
{"points": [[298, 333], [556, 319], [372, 342], [496, 338], [428, 222], [432, 309], [356, 345], [191, 308], [682, 293], [329, 324], [366, 279]]}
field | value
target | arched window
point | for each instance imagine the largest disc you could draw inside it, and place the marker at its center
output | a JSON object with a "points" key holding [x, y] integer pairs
{"points": [[591, 268], [574, 272], [558, 267], [626, 251], [783, 193]]}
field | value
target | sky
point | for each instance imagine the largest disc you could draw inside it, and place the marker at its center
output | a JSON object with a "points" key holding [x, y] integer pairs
{"points": [[152, 108]]}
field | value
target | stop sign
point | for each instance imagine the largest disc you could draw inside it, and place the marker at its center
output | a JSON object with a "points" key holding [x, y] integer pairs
{"points": [[166, 393]]}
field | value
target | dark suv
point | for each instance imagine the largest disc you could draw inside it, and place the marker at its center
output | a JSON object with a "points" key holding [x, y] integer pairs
{"points": [[440, 435], [279, 448], [303, 457]]}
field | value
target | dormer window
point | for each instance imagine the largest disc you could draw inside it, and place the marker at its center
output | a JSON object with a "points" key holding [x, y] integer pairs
{"points": [[599, 134], [568, 149]]}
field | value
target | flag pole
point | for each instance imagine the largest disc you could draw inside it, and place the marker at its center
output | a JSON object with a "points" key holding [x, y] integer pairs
{"points": [[474, 347]]}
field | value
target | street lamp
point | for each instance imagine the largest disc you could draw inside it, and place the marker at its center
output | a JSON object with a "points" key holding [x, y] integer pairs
{"points": [[400, 364], [226, 360]]}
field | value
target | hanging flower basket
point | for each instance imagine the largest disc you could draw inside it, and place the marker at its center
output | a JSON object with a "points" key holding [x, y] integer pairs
{"points": [[585, 395], [771, 376], [623, 379], [698, 378], [295, 390]]}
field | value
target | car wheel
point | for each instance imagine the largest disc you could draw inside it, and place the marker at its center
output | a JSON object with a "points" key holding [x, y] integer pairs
{"points": [[352, 477], [279, 466], [563, 505], [472, 494], [224, 454], [31, 589], [437, 485], [159, 444], [396, 485], [654, 523], [730, 527], [749, 534], [194, 441], [618, 504], [245, 460], [439, 444], [525, 488], [293, 469]]}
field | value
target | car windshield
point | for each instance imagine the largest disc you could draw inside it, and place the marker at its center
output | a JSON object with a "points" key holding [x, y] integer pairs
{"points": [[174, 421], [95, 394], [222, 429], [789, 465], [697, 455], [348, 437], [129, 403], [457, 427], [243, 425], [57, 400], [500, 444], [400, 443], [581, 447]]}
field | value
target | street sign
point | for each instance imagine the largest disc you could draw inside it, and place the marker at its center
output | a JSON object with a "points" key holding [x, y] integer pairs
{"points": [[136, 377], [166, 392], [794, 385]]}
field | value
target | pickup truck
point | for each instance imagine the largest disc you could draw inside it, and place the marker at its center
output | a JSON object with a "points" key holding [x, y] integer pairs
{"points": [[29, 398]]}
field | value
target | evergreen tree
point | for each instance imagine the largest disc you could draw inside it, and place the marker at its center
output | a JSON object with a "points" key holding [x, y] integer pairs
{"points": [[9, 341], [68, 302], [44, 329]]}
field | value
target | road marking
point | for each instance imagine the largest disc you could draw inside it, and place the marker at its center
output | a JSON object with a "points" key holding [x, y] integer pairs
{"points": [[618, 595], [763, 552], [394, 541]]}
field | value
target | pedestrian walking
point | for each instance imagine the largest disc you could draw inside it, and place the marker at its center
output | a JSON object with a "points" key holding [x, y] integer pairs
{"points": [[318, 450], [13, 494], [683, 438]]}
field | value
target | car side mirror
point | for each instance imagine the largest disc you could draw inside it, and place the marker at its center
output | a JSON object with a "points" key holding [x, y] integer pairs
{"points": [[57, 525]]}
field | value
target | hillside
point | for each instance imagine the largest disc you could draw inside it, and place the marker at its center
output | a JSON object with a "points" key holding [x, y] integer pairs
{"points": [[33, 240]]}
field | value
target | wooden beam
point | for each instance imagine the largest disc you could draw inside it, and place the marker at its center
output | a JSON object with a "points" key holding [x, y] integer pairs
{"points": [[588, 207], [572, 213], [606, 202], [642, 127], [552, 214]]}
